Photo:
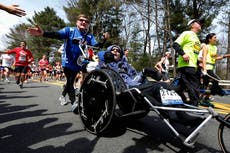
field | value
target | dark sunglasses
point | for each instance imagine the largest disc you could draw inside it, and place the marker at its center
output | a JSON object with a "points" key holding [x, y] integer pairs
{"points": [[81, 20], [116, 49]]}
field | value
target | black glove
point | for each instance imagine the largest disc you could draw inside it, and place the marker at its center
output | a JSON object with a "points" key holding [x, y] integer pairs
{"points": [[109, 57]]}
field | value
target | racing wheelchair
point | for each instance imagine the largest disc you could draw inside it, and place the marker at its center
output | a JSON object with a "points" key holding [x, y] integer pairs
{"points": [[104, 96]]}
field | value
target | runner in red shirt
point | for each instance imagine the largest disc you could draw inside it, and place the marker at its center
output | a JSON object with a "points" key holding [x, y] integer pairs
{"points": [[23, 57], [43, 65]]}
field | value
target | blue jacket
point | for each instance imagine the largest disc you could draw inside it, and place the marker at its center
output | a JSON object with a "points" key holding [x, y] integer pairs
{"points": [[72, 37], [130, 76]]}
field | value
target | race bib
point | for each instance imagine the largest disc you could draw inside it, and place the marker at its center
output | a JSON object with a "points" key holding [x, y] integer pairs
{"points": [[170, 97], [22, 58]]}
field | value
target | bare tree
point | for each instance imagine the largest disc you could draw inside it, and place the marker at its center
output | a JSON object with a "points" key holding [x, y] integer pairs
{"points": [[157, 27], [228, 50]]}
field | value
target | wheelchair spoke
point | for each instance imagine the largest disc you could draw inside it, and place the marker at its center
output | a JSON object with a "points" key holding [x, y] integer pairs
{"points": [[102, 117], [97, 80]]}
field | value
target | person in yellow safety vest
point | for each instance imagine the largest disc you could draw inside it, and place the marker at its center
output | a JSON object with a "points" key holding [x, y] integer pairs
{"points": [[210, 57], [187, 45]]}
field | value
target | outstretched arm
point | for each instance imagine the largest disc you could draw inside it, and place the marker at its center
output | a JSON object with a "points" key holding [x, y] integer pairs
{"points": [[222, 57], [3, 52], [13, 9], [35, 31], [38, 31]]}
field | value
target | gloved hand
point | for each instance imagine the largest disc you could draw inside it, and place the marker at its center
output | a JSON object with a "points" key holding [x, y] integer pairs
{"points": [[109, 57]]}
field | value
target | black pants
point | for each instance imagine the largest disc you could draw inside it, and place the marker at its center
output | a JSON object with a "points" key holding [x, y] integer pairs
{"points": [[190, 82], [153, 73], [215, 88], [69, 87]]}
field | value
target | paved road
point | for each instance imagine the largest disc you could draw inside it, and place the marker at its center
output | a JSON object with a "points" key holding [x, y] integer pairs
{"points": [[33, 121]]}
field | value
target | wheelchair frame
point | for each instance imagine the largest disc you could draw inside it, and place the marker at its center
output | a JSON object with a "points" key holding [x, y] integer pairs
{"points": [[100, 100]]}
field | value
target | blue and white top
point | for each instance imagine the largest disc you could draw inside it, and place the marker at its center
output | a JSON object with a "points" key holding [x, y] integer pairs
{"points": [[73, 37]]}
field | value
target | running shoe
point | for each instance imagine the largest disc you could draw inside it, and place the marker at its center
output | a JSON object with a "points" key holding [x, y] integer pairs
{"points": [[7, 80], [18, 81], [207, 103], [74, 107], [63, 101], [20, 85]]}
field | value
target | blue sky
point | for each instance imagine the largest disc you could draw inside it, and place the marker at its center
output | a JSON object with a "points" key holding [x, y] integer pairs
{"points": [[8, 21]]}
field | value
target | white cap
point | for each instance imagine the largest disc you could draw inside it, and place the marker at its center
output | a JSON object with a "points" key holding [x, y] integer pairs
{"points": [[166, 53], [191, 21]]}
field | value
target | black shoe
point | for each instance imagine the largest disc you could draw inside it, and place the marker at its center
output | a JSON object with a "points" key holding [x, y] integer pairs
{"points": [[21, 85], [17, 82]]}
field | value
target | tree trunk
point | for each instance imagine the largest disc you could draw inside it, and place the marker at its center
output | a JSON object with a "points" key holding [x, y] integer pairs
{"points": [[228, 50], [157, 27]]}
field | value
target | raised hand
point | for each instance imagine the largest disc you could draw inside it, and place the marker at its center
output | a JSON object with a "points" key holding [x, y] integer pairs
{"points": [[13, 9], [35, 31]]}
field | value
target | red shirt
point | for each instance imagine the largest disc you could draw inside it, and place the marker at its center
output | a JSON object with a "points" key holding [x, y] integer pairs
{"points": [[22, 56], [43, 63]]}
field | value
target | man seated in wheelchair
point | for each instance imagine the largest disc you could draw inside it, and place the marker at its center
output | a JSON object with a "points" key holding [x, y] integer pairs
{"points": [[112, 58]]}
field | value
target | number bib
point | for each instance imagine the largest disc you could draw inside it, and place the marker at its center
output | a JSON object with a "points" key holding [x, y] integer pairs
{"points": [[22, 58], [170, 97]]}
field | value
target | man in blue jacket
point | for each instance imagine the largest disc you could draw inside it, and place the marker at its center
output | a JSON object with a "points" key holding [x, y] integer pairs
{"points": [[72, 36]]}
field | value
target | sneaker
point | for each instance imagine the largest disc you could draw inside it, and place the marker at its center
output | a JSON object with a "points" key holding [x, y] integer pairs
{"points": [[20, 85], [7, 80], [63, 101], [206, 103], [18, 81], [74, 107]]}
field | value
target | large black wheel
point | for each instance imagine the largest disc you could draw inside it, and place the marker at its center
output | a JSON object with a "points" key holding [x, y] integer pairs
{"points": [[224, 135], [97, 100]]}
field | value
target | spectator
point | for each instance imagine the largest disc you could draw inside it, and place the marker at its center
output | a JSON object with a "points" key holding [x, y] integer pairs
{"points": [[125, 57], [13, 9]]}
